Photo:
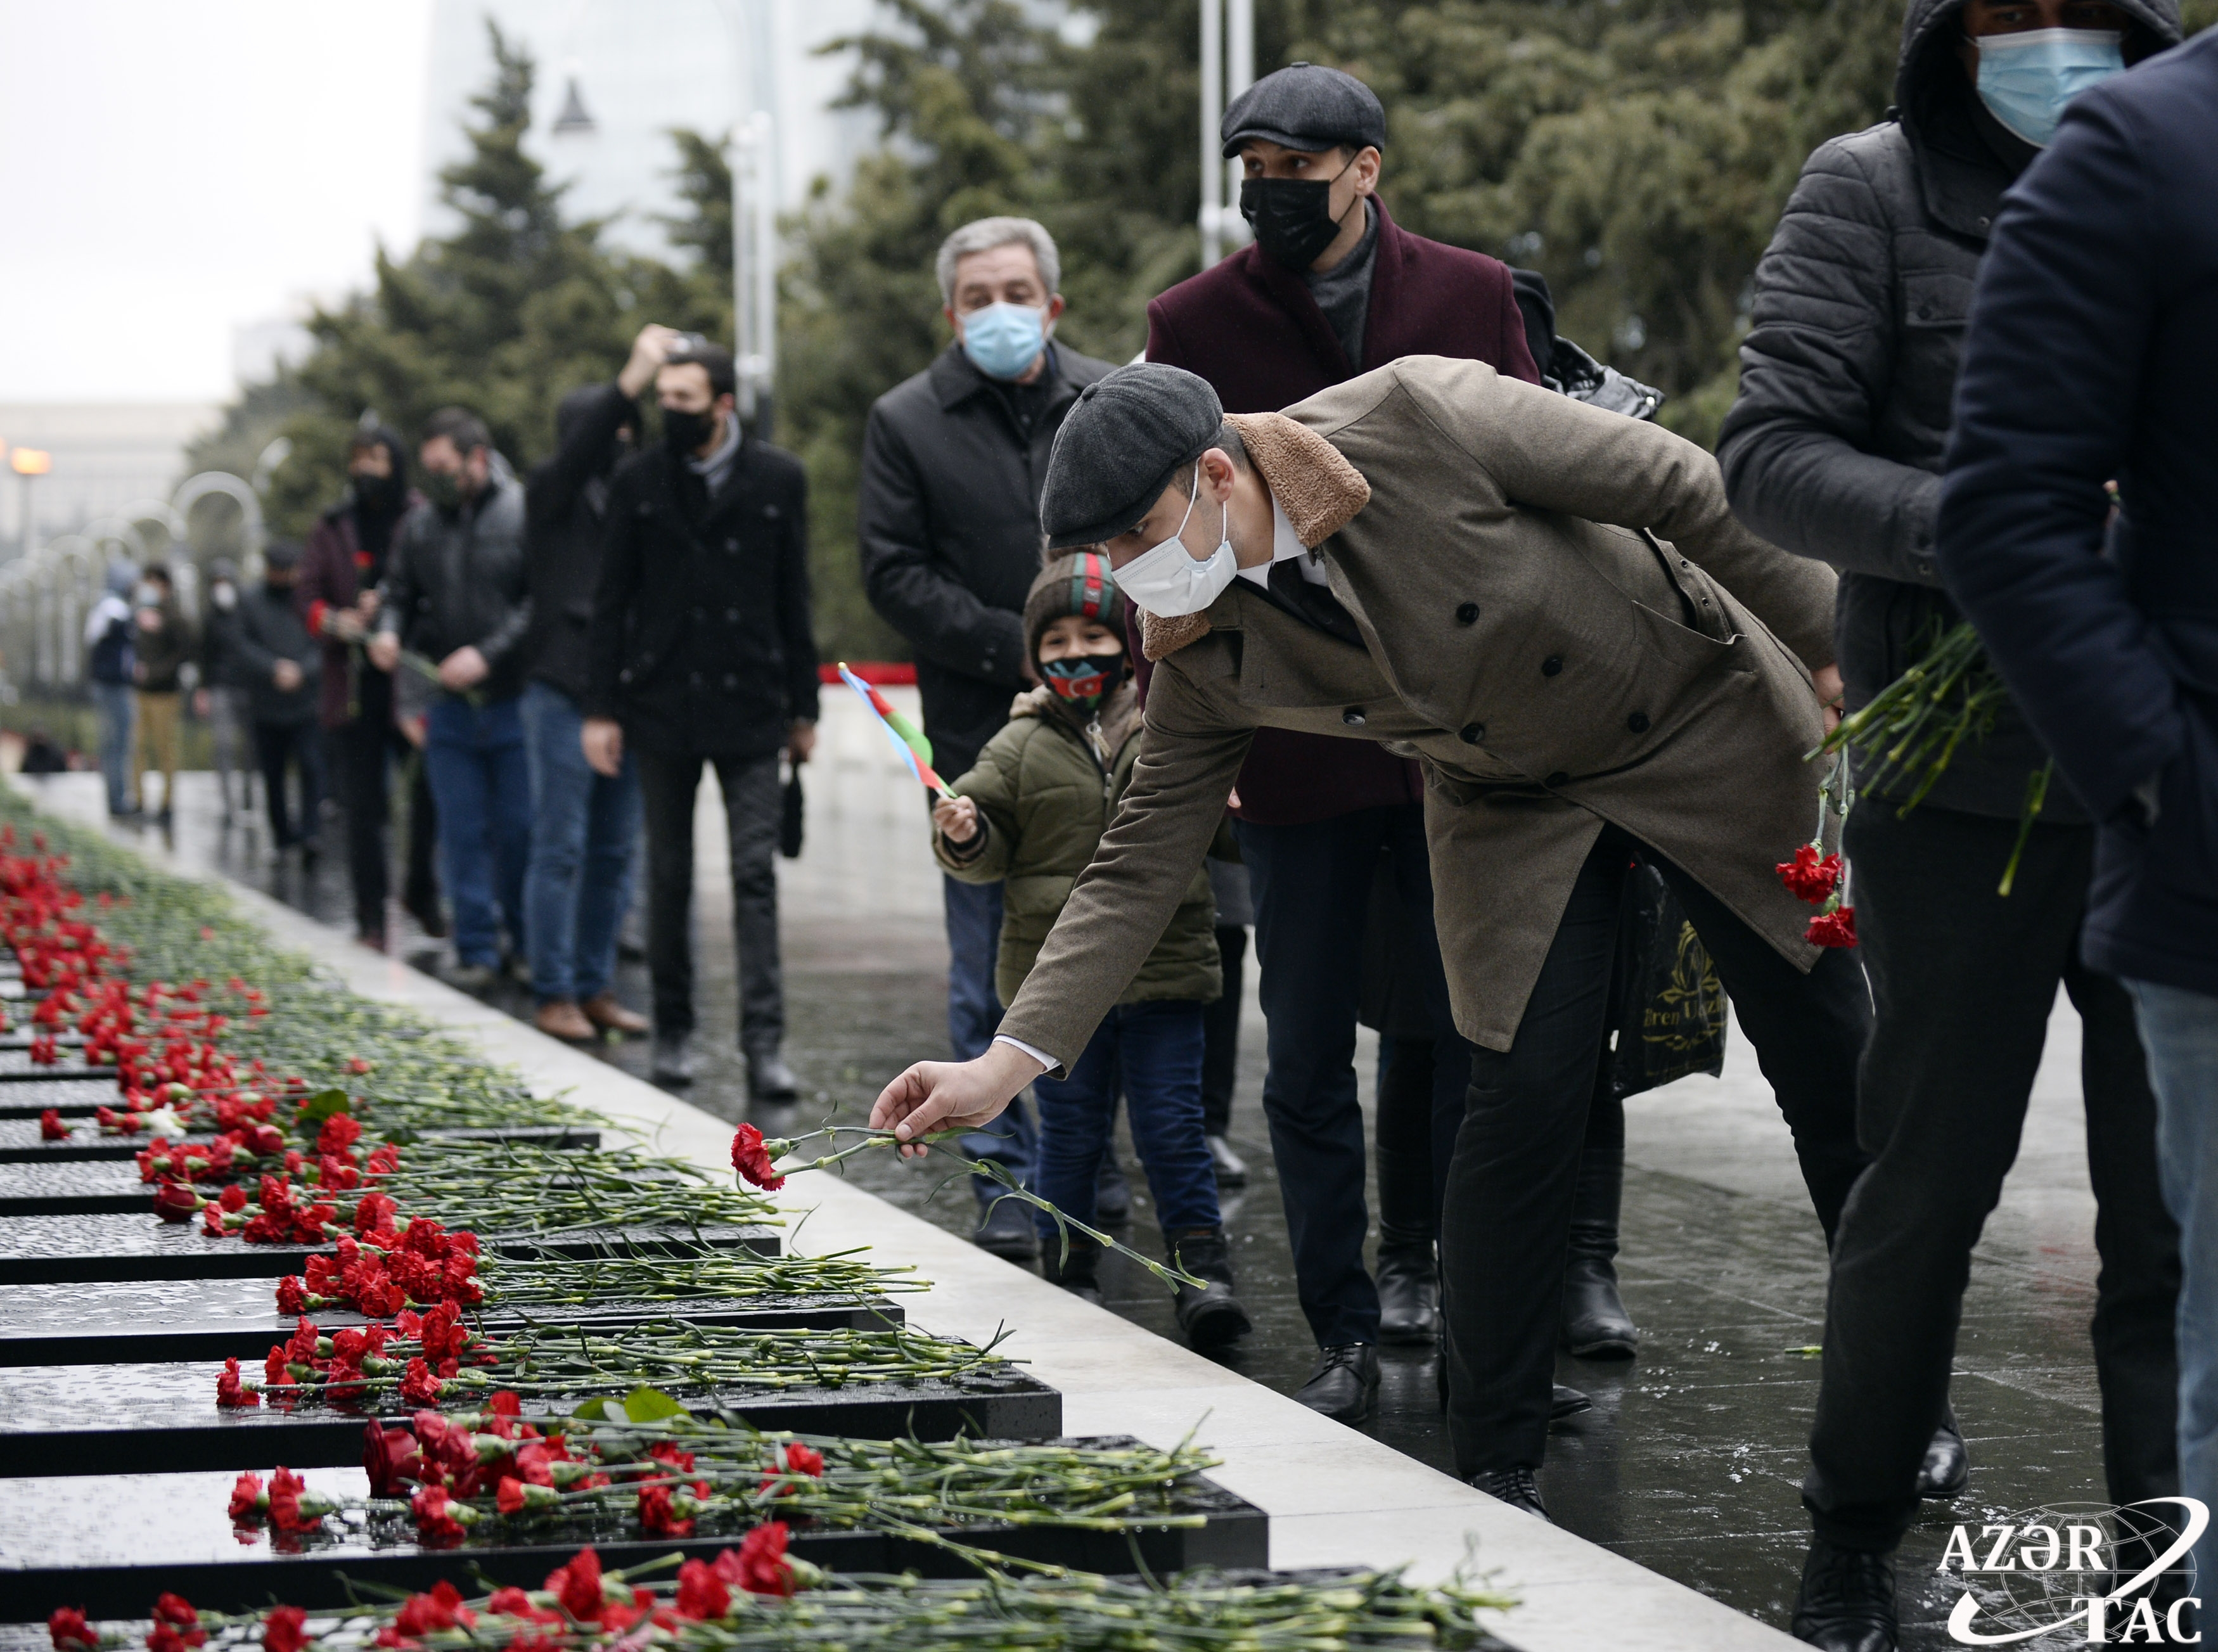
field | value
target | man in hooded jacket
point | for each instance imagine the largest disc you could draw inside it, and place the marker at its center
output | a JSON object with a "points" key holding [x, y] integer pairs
{"points": [[1834, 451]]}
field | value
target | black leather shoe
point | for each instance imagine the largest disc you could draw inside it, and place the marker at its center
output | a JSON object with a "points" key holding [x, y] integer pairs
{"points": [[770, 1081], [1948, 1465], [1567, 1402], [1409, 1293], [1005, 1228], [1345, 1384], [1112, 1193], [1846, 1603], [1212, 1315], [1596, 1324], [1514, 1486], [1232, 1169]]}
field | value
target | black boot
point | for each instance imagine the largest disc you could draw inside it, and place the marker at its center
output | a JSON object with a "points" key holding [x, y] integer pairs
{"points": [[1595, 1325], [1345, 1384], [1078, 1272], [1408, 1272], [1846, 1603], [1212, 1316], [1948, 1465]]}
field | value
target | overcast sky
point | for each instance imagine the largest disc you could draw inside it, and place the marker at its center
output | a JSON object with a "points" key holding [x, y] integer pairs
{"points": [[174, 172]]}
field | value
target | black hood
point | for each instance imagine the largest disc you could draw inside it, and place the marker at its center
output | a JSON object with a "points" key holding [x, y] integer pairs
{"points": [[1930, 78]]}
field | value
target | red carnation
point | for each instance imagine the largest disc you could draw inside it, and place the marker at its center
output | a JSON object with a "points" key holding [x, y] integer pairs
{"points": [[505, 1403], [175, 1202], [51, 1127], [759, 1566], [390, 1458], [291, 1295], [803, 1459], [658, 1514], [233, 1198], [285, 1513], [246, 1497], [578, 1586], [417, 1384], [700, 1592], [422, 1614], [285, 1629], [340, 1132], [1812, 875], [435, 1520], [753, 1160], [70, 1631], [1836, 928], [230, 1394]]}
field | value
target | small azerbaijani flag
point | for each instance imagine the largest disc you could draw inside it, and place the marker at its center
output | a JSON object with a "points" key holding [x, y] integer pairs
{"points": [[908, 739]]}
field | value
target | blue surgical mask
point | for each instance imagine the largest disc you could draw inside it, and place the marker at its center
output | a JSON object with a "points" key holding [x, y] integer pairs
{"points": [[2026, 79], [1002, 340]]}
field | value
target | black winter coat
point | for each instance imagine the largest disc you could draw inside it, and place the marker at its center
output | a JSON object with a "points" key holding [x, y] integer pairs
{"points": [[269, 627], [1834, 449], [566, 510], [950, 536], [457, 580], [701, 640]]}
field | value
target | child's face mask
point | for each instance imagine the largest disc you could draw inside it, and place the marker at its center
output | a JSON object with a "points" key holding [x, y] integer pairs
{"points": [[1086, 680]]}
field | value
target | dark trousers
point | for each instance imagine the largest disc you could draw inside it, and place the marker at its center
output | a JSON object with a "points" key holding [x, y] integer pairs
{"points": [[752, 805], [363, 750], [296, 745], [1312, 892], [1220, 1024], [1505, 1224], [1963, 982], [1151, 1053]]}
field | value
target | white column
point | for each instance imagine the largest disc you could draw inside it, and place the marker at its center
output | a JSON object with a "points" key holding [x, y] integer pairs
{"points": [[1212, 114]]}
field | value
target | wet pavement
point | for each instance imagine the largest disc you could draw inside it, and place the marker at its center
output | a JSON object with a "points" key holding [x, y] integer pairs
{"points": [[1690, 1460]]}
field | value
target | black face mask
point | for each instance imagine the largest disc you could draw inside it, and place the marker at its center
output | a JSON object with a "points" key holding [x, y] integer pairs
{"points": [[685, 432], [442, 489], [1291, 217], [379, 495]]}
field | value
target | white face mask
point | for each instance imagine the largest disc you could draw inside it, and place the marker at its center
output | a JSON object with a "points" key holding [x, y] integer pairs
{"points": [[1167, 581]]}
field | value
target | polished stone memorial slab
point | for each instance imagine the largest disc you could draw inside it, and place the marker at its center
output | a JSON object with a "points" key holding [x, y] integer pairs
{"points": [[74, 1249], [78, 1187], [125, 1538], [21, 1143], [112, 1419]]}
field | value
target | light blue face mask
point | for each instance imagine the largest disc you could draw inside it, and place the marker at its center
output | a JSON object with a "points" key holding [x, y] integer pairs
{"points": [[2026, 79], [1002, 340]]}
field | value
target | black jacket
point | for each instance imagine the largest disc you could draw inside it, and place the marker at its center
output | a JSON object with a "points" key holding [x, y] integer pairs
{"points": [[269, 628], [220, 665], [701, 638], [2091, 353], [456, 580], [566, 509], [949, 536], [1834, 449]]}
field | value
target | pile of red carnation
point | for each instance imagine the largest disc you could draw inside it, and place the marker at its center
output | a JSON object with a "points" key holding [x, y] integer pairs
{"points": [[426, 1349], [387, 1269]]}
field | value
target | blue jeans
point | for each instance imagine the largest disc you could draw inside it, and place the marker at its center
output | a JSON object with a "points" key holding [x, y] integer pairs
{"points": [[974, 1011], [116, 714], [1153, 1053], [582, 826], [481, 787], [2180, 1030]]}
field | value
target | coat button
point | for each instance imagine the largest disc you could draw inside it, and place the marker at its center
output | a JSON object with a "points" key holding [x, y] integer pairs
{"points": [[1558, 778], [1468, 614], [1352, 717], [730, 681], [731, 616], [732, 545], [771, 511], [1638, 722], [699, 612], [696, 679], [1471, 734], [1552, 665]]}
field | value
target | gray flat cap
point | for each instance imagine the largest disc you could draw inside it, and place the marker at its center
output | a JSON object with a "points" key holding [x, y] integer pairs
{"points": [[1307, 108], [1121, 446]]}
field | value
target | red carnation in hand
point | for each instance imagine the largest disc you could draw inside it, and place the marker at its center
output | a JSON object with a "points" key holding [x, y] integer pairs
{"points": [[700, 1592], [285, 1629], [578, 1586], [752, 1160], [70, 1631], [230, 1394], [759, 1565], [51, 1127], [1836, 928], [1812, 875]]}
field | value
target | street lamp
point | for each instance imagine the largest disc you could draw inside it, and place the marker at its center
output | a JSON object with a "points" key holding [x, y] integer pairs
{"points": [[573, 122], [27, 462]]}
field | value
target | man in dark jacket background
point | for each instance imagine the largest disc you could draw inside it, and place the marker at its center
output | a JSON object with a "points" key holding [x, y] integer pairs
{"points": [[953, 463], [2092, 346], [281, 665], [1333, 287], [701, 652], [164, 647], [454, 596], [340, 573], [583, 824], [1834, 451]]}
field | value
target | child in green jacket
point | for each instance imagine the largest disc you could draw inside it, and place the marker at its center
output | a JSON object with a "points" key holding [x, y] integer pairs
{"points": [[1031, 813]]}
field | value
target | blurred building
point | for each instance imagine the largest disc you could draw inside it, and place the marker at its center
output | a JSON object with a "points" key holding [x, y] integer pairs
{"points": [[639, 68], [105, 456]]}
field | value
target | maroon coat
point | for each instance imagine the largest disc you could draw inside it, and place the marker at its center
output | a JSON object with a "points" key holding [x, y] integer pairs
{"points": [[334, 571], [1252, 330]]}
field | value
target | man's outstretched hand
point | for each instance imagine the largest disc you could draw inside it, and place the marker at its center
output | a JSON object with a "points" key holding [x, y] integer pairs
{"points": [[951, 1095]]}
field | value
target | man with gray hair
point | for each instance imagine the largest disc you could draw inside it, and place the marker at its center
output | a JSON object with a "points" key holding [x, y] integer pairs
{"points": [[953, 463]]}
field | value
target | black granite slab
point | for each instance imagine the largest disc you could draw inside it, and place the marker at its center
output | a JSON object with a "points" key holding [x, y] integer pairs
{"points": [[126, 1537], [72, 1188], [74, 1249], [105, 1419], [109, 1323], [16, 1068], [20, 1142]]}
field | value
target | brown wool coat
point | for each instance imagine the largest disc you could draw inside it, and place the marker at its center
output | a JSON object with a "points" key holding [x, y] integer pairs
{"points": [[1562, 621]]}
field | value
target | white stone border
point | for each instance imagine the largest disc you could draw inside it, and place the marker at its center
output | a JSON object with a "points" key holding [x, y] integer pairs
{"points": [[1335, 1496]]}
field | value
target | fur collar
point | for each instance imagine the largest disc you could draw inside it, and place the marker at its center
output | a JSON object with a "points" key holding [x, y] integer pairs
{"points": [[1320, 491]]}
